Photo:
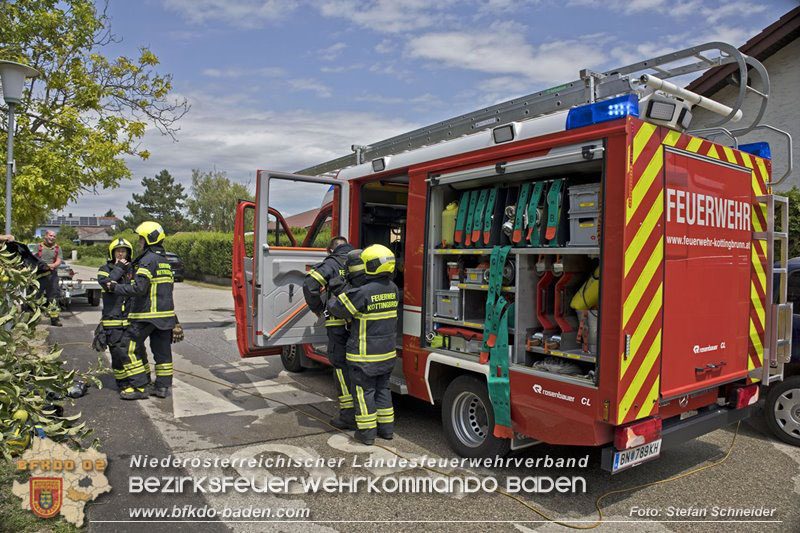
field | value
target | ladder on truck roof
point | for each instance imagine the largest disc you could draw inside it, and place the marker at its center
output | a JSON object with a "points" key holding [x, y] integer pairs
{"points": [[591, 86]]}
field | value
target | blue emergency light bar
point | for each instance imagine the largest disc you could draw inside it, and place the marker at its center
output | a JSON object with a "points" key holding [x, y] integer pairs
{"points": [[603, 111], [757, 149]]}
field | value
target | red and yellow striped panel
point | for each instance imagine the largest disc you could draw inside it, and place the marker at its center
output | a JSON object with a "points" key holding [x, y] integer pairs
{"points": [[642, 309], [643, 301]]}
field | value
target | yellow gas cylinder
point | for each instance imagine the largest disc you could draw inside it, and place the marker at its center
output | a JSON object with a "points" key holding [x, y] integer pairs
{"points": [[449, 224], [588, 295]]}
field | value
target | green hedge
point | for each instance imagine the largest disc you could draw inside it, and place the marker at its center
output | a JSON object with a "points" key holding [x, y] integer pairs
{"points": [[203, 252]]}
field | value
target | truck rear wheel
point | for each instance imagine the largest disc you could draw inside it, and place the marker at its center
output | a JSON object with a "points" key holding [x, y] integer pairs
{"points": [[783, 410], [468, 419], [291, 358]]}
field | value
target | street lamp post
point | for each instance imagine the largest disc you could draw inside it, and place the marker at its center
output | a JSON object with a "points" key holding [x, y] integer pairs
{"points": [[13, 77]]}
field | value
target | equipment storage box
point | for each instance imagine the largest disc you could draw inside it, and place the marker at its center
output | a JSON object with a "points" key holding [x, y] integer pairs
{"points": [[474, 276], [460, 344], [448, 304], [584, 198], [584, 229]]}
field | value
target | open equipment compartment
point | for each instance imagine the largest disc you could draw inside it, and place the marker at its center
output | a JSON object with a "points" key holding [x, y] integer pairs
{"points": [[550, 218]]}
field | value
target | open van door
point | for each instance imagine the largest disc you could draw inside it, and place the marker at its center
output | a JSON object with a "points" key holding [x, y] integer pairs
{"points": [[286, 207], [243, 282]]}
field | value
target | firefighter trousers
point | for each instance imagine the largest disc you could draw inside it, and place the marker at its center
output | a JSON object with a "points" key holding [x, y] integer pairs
{"points": [[160, 345], [48, 285], [374, 411], [337, 340], [115, 338]]}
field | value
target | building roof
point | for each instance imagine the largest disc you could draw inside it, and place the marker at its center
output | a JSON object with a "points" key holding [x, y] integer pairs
{"points": [[302, 220], [93, 235], [771, 39]]}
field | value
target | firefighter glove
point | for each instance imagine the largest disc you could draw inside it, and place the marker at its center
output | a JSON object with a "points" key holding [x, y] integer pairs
{"points": [[177, 333], [100, 341]]}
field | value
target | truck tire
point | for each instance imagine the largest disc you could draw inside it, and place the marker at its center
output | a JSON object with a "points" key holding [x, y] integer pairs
{"points": [[782, 410], [291, 359], [94, 297], [468, 419]]}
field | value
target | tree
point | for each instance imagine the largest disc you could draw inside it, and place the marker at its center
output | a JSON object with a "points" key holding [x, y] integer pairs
{"points": [[109, 213], [67, 233], [163, 200], [85, 112], [212, 205], [794, 221], [32, 377]]}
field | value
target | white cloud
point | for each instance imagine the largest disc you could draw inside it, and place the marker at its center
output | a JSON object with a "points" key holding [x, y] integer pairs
{"points": [[708, 12], [391, 69], [238, 137], [239, 72], [422, 101], [242, 13], [341, 68], [502, 49], [386, 46], [309, 84], [732, 9], [389, 16], [331, 52]]}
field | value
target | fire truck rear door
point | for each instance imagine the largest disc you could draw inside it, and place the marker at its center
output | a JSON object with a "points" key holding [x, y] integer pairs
{"points": [[282, 317], [707, 272]]}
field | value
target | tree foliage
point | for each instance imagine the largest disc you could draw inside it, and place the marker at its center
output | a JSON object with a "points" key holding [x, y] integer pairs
{"points": [[109, 213], [85, 111], [163, 200], [212, 205], [67, 234], [794, 220], [33, 380]]}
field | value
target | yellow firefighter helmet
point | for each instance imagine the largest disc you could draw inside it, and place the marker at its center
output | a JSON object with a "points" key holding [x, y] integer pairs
{"points": [[151, 232], [378, 259], [119, 243]]}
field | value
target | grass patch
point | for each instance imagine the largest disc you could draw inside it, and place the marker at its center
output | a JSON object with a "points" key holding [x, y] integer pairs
{"points": [[89, 261], [13, 517]]}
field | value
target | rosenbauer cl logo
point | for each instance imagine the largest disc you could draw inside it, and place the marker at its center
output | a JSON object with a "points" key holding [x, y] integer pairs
{"points": [[553, 394], [710, 348]]}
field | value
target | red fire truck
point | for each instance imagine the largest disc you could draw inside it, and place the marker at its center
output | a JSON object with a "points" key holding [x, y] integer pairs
{"points": [[577, 260]]}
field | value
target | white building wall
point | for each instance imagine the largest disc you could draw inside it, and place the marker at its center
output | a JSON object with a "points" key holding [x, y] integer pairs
{"points": [[783, 111]]}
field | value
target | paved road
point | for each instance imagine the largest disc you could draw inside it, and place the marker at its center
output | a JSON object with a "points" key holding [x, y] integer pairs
{"points": [[224, 406]]}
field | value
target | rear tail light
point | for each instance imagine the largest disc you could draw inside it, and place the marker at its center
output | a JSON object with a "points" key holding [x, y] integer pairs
{"points": [[637, 434], [742, 397]]}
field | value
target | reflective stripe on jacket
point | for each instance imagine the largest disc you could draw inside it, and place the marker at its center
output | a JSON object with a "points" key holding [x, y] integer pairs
{"points": [[320, 276], [151, 289], [373, 311]]}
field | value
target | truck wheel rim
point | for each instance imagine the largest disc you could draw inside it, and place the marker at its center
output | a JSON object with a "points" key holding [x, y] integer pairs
{"points": [[470, 420], [787, 412], [291, 354]]}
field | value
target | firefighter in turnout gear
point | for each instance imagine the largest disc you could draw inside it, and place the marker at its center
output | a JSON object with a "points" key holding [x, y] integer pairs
{"points": [[114, 319], [152, 314], [372, 310], [316, 291]]}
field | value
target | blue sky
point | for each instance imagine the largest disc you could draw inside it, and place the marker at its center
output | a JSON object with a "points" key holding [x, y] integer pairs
{"points": [[283, 84]]}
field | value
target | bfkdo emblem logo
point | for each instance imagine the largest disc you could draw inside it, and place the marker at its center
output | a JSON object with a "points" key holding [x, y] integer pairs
{"points": [[46, 496]]}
